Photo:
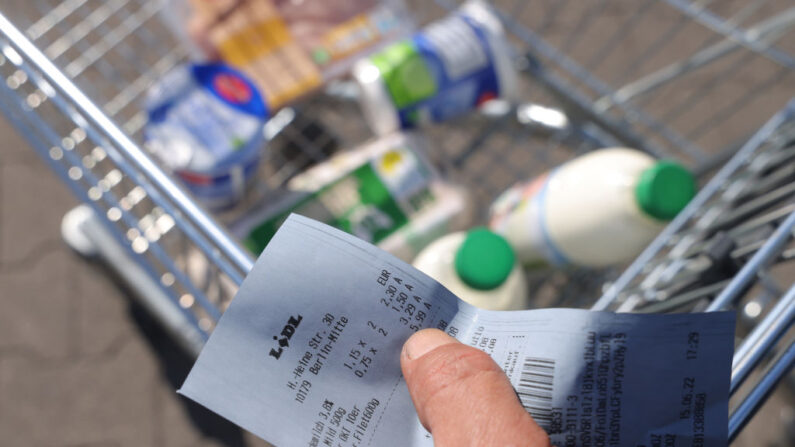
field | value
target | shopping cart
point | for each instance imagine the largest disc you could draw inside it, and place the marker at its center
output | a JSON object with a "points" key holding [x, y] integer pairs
{"points": [[691, 80]]}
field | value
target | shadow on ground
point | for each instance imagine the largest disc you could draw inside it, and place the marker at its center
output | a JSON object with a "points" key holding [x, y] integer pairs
{"points": [[175, 364]]}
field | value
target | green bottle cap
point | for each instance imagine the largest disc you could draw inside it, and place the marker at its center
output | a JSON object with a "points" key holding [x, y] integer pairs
{"points": [[665, 189], [484, 260]]}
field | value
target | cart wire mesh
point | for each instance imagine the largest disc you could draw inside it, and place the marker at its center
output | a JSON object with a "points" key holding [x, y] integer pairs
{"points": [[731, 247], [689, 80]]}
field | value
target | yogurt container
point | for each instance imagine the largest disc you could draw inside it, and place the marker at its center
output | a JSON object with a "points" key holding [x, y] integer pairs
{"points": [[205, 125], [449, 68], [479, 267], [385, 192], [597, 210]]}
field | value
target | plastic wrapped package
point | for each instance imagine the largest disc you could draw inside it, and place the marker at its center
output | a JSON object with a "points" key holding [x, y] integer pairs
{"points": [[384, 192], [288, 47]]}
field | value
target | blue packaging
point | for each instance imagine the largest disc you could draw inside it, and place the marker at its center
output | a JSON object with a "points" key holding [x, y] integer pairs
{"points": [[449, 68], [205, 124]]}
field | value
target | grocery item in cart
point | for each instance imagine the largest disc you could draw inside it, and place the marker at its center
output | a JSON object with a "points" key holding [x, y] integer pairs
{"points": [[449, 68], [597, 210], [288, 47], [205, 124], [385, 192], [478, 266]]}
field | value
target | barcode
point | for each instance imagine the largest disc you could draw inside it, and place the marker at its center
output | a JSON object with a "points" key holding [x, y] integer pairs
{"points": [[535, 389]]}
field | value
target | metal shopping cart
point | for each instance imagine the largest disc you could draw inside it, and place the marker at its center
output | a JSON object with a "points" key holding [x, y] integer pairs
{"points": [[692, 80]]}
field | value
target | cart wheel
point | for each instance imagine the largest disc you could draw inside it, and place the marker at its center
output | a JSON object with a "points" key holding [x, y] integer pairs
{"points": [[72, 231]]}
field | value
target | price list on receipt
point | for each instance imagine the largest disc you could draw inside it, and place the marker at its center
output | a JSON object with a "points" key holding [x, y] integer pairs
{"points": [[308, 354]]}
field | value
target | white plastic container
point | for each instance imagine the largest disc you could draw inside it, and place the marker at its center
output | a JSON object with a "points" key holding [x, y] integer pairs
{"points": [[449, 68], [385, 192], [597, 210], [479, 267]]}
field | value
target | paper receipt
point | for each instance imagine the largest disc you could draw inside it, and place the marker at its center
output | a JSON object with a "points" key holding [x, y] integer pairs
{"points": [[308, 354]]}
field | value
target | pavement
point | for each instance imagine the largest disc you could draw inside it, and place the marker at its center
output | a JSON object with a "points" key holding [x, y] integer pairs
{"points": [[80, 363]]}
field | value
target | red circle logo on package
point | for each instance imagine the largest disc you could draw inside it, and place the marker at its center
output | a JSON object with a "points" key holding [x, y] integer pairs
{"points": [[232, 88]]}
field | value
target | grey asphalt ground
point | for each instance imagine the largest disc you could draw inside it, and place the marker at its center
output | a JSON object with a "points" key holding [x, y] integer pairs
{"points": [[80, 363]]}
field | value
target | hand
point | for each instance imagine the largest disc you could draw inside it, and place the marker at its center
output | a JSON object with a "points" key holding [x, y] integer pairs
{"points": [[462, 397]]}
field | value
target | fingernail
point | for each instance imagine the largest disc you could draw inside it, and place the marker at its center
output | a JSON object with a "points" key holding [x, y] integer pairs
{"points": [[424, 342]]}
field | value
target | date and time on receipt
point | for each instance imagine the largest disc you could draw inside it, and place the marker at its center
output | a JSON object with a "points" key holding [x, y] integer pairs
{"points": [[308, 354]]}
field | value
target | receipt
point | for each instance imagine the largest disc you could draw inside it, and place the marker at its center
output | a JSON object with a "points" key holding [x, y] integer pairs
{"points": [[308, 354]]}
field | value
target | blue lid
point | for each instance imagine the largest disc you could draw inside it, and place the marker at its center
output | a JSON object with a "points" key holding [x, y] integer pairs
{"points": [[231, 87]]}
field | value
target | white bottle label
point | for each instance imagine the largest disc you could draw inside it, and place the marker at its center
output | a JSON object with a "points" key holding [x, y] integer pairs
{"points": [[519, 215]]}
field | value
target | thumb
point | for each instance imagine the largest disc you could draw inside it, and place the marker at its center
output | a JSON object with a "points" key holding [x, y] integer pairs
{"points": [[462, 397]]}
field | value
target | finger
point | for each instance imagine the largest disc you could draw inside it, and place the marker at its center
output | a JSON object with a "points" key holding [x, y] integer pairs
{"points": [[462, 397]]}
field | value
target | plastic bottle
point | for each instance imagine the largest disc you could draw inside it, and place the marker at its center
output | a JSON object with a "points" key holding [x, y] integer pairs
{"points": [[205, 125], [479, 267], [597, 210], [449, 68], [385, 192]]}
